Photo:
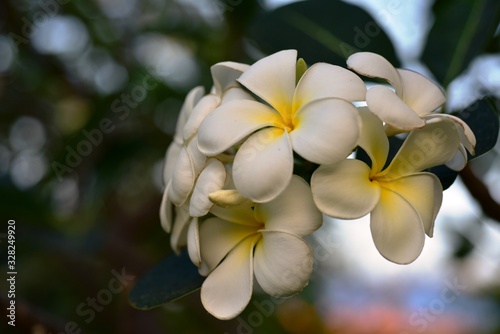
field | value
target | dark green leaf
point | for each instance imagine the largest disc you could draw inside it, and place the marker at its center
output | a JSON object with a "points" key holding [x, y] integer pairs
{"points": [[462, 30], [321, 30], [172, 278]]}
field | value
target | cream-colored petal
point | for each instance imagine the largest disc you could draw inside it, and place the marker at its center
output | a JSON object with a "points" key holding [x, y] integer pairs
{"points": [[166, 214], [211, 179], [236, 94], [420, 93], [206, 105], [224, 75], [193, 242], [325, 131], [373, 65], [232, 122], [263, 165], [171, 156], [323, 80], [396, 228], [218, 237], [178, 238], [291, 211], [433, 145], [384, 103], [373, 139], [283, 263], [459, 160], [243, 215], [192, 98], [467, 137], [344, 190], [227, 198], [424, 192], [187, 168], [273, 79], [228, 289]]}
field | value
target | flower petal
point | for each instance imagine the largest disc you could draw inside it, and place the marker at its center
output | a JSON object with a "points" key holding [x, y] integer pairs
{"points": [[228, 289], [192, 98], [323, 80], [263, 165], [344, 190], [273, 79], [375, 66], [459, 160], [166, 214], [433, 145], [291, 211], [171, 156], [178, 238], [384, 103], [231, 122], [189, 164], [283, 263], [325, 131], [211, 179], [396, 228], [373, 139], [206, 105], [236, 94], [419, 93], [193, 242], [425, 194], [224, 75], [467, 137]]}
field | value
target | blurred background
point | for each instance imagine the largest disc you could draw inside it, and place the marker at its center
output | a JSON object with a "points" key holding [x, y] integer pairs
{"points": [[89, 95]]}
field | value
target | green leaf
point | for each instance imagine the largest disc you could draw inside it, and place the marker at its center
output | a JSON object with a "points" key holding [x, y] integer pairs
{"points": [[462, 30], [172, 278], [321, 30]]}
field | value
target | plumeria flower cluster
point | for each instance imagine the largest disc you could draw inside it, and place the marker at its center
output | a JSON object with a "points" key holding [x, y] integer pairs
{"points": [[232, 194]]}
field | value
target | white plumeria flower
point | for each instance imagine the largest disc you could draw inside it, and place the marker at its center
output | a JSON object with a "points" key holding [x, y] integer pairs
{"points": [[190, 176], [411, 104], [312, 117], [265, 241], [402, 200]]}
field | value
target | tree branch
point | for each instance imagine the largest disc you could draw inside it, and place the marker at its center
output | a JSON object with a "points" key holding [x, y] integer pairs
{"points": [[481, 194]]}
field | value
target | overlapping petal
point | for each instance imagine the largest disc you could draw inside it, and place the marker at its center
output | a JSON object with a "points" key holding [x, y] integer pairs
{"points": [[228, 288], [389, 107], [211, 179], [205, 106], [273, 79], [263, 166], [237, 215], [178, 238], [344, 190], [192, 98], [193, 242], [396, 228], [325, 131], [166, 211], [224, 75], [323, 80], [291, 211], [283, 263], [231, 122], [375, 66], [373, 139], [467, 137], [420, 94]]}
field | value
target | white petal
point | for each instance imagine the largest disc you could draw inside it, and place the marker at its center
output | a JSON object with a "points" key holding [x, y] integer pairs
{"points": [[396, 228], [178, 238], [211, 179], [384, 103], [344, 190], [228, 289], [467, 137], [373, 139], [419, 93], [224, 75], [263, 165], [166, 214], [283, 263], [191, 100], [218, 237], [193, 242], [171, 156], [231, 122], [291, 211], [206, 105], [325, 131], [375, 66], [459, 160], [424, 192], [273, 79], [236, 94], [433, 145], [323, 80]]}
